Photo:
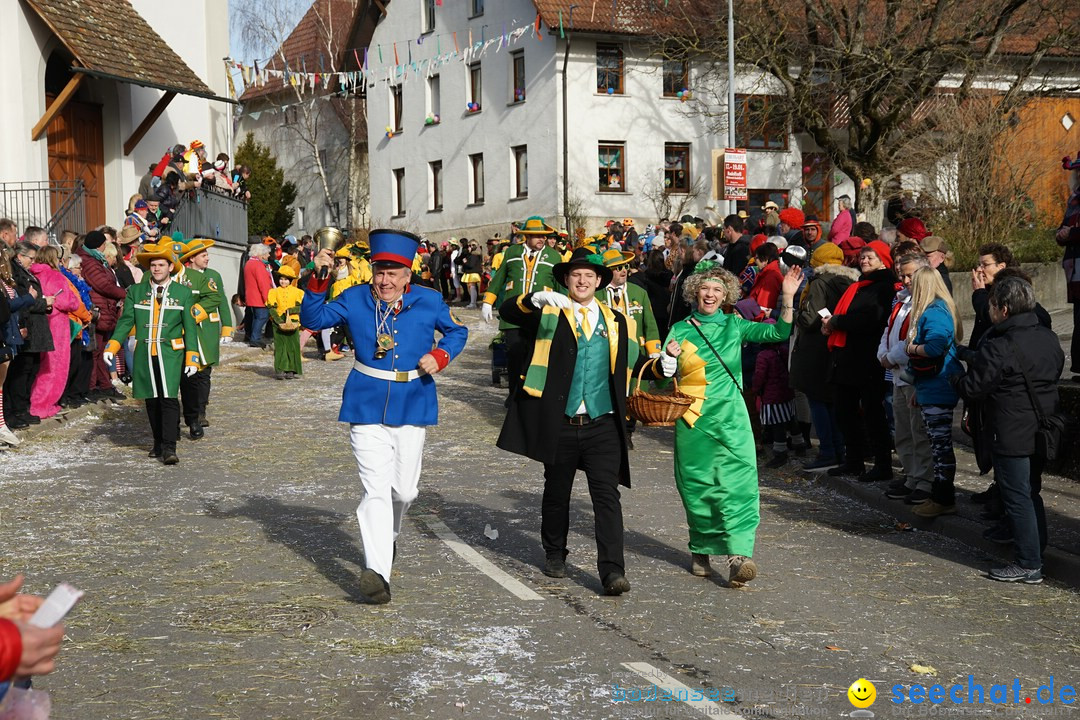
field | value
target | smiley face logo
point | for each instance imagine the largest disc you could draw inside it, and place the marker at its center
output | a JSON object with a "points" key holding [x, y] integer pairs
{"points": [[862, 693]]}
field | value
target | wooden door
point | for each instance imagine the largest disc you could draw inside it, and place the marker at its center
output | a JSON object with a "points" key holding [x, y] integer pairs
{"points": [[817, 185], [77, 152]]}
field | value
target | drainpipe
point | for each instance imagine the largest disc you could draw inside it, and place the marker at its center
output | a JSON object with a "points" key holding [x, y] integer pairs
{"points": [[566, 132]]}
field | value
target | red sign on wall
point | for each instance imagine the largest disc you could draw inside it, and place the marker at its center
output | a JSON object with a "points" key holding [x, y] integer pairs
{"points": [[735, 174]]}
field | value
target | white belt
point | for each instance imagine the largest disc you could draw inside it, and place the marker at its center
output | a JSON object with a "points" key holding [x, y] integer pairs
{"points": [[391, 375]]}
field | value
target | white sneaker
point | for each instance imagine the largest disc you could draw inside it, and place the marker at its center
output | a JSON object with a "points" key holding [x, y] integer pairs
{"points": [[6, 436], [118, 384]]}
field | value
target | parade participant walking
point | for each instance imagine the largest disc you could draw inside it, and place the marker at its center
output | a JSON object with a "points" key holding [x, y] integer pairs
{"points": [[568, 413], [207, 300], [389, 398], [526, 267], [715, 458], [166, 344], [284, 305]]}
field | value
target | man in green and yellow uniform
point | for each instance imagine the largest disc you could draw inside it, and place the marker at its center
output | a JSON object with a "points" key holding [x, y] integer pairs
{"points": [[207, 303], [166, 343], [525, 268], [633, 302]]}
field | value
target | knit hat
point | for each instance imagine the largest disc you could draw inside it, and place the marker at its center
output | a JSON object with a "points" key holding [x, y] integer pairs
{"points": [[913, 228], [94, 239], [882, 251], [828, 254], [756, 242], [793, 217]]}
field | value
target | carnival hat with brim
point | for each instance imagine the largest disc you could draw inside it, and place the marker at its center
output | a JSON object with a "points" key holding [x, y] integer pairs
{"points": [[196, 246], [393, 246], [160, 251], [582, 258], [616, 258], [286, 271], [129, 234], [535, 226]]}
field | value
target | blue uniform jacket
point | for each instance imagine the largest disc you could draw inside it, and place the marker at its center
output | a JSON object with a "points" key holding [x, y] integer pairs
{"points": [[371, 401]]}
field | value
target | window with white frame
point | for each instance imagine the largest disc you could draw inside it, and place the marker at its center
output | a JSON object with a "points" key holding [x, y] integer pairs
{"points": [[476, 8], [428, 15], [476, 179], [399, 192], [436, 185], [475, 89], [612, 165], [520, 175], [517, 76], [434, 93], [396, 107]]}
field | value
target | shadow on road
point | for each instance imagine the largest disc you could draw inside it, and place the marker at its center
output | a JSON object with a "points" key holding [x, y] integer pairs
{"points": [[312, 533]]}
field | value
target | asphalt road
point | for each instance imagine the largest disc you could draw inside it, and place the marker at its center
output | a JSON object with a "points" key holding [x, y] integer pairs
{"points": [[225, 587]]}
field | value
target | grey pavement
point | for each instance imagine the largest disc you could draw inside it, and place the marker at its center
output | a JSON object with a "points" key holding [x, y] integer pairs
{"points": [[226, 587]]}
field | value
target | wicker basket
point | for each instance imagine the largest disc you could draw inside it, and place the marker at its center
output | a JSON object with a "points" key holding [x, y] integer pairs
{"points": [[657, 410], [289, 325]]}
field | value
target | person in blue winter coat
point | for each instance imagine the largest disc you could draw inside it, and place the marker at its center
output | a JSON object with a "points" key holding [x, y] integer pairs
{"points": [[935, 329], [389, 398]]}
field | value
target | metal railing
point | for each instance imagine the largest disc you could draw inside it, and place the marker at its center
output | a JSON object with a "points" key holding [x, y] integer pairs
{"points": [[55, 205], [209, 214]]}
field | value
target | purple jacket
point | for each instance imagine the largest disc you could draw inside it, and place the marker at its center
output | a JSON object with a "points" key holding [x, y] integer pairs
{"points": [[771, 375]]}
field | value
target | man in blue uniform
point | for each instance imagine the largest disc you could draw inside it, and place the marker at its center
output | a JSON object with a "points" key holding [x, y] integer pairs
{"points": [[389, 398]]}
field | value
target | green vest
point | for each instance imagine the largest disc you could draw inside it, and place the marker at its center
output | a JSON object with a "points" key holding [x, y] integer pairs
{"points": [[591, 373]]}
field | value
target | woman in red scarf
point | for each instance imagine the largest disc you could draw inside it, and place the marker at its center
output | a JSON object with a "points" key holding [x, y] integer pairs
{"points": [[854, 372]]}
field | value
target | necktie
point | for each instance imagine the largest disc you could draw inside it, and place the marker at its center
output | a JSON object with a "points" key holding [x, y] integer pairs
{"points": [[585, 328], [616, 297]]}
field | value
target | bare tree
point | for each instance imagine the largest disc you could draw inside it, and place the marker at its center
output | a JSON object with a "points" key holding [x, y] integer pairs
{"points": [[669, 204], [575, 212], [861, 77]]}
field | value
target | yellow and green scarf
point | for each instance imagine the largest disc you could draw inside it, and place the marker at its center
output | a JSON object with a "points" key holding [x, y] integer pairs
{"points": [[536, 376]]}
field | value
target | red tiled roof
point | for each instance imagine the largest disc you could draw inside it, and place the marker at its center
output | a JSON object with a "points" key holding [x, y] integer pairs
{"points": [[625, 17], [316, 44], [109, 38]]}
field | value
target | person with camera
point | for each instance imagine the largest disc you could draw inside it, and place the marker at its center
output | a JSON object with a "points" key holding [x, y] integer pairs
{"points": [[1014, 372]]}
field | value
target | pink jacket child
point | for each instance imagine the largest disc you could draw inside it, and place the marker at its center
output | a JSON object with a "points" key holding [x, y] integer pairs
{"points": [[53, 375], [771, 375]]}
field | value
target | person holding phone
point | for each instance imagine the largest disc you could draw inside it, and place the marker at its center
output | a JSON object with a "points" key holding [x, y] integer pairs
{"points": [[25, 650]]}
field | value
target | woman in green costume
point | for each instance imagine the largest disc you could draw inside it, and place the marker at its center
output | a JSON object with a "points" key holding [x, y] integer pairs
{"points": [[715, 457], [283, 302]]}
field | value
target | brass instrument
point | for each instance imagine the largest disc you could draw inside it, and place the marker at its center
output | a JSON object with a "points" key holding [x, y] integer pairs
{"points": [[327, 238]]}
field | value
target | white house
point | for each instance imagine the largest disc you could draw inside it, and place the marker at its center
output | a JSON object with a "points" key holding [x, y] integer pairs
{"points": [[574, 122], [95, 91]]}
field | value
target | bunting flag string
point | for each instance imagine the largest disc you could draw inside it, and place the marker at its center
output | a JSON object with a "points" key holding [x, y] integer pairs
{"points": [[298, 76]]}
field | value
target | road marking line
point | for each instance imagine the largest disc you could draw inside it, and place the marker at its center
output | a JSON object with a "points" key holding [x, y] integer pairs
{"points": [[655, 677], [478, 561]]}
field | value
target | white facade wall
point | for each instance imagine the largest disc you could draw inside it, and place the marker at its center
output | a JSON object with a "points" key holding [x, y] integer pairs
{"points": [[500, 125], [201, 41]]}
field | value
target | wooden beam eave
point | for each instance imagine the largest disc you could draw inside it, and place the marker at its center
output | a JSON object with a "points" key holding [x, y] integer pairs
{"points": [[57, 106], [148, 122]]}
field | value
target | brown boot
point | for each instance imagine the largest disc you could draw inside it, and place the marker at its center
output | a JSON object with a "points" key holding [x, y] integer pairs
{"points": [[742, 569], [699, 565]]}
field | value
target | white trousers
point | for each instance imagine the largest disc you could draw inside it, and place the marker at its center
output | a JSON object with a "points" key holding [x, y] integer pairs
{"points": [[389, 459]]}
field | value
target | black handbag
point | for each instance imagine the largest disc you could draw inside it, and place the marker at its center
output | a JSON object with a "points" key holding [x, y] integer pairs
{"points": [[1052, 426]]}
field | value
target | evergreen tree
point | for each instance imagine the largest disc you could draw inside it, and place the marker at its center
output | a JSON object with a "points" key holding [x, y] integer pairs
{"points": [[269, 211]]}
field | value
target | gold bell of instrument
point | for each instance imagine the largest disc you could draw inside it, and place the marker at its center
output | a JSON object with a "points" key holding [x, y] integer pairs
{"points": [[327, 238]]}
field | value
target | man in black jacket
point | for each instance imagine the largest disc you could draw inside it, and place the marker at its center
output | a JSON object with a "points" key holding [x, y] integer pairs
{"points": [[1016, 346], [738, 249], [568, 414]]}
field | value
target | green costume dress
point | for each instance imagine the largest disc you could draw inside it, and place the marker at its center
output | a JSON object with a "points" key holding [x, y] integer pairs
{"points": [[520, 275], [715, 458], [284, 304], [165, 336]]}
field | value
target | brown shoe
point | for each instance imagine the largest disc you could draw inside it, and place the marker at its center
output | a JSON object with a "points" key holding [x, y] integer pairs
{"points": [[742, 569], [699, 565], [332, 355], [374, 587], [932, 509]]}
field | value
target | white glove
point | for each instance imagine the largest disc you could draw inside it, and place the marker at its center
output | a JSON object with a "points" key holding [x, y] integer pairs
{"points": [[226, 340], [108, 358], [549, 297], [485, 312], [190, 370], [668, 364]]}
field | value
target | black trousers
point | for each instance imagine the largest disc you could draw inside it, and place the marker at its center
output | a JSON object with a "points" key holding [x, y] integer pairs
{"points": [[195, 394], [73, 369], [81, 387], [596, 449], [164, 416], [20, 379], [860, 413], [516, 361]]}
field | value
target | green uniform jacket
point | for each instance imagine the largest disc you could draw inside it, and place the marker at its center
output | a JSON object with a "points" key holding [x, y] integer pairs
{"points": [[640, 322], [165, 335], [207, 299], [516, 276]]}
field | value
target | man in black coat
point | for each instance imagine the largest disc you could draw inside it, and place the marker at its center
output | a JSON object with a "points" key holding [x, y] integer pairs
{"points": [[738, 249], [1017, 345], [568, 413]]}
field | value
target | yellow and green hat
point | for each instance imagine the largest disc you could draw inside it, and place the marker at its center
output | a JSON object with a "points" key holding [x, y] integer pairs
{"points": [[616, 258], [193, 248], [159, 251], [535, 226]]}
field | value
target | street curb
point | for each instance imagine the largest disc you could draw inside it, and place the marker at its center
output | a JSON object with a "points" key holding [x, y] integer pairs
{"points": [[1058, 564], [66, 417]]}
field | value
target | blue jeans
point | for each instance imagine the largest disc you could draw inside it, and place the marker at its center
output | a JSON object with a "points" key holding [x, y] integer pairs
{"points": [[262, 316], [1020, 482], [830, 442]]}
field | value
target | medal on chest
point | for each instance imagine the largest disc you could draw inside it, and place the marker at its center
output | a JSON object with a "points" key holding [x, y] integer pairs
{"points": [[384, 339]]}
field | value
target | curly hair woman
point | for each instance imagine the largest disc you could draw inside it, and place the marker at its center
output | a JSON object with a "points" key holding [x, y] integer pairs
{"points": [[715, 458]]}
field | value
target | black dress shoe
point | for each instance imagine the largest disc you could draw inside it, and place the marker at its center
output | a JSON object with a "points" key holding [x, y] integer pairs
{"points": [[169, 457], [203, 421], [195, 432], [846, 470], [32, 419], [18, 425], [554, 567], [374, 587], [155, 452], [876, 474], [616, 584]]}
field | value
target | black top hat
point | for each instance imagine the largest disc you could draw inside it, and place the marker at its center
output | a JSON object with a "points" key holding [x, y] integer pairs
{"points": [[583, 258]]}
